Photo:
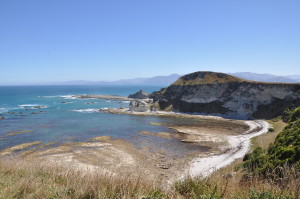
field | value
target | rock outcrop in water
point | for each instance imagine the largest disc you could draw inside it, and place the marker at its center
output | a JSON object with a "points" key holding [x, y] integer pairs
{"points": [[218, 93], [139, 106], [139, 95]]}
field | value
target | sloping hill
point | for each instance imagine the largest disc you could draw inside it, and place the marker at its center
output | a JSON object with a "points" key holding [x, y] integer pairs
{"points": [[219, 93]]}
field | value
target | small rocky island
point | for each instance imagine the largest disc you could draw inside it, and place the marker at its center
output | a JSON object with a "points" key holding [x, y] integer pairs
{"points": [[139, 95]]}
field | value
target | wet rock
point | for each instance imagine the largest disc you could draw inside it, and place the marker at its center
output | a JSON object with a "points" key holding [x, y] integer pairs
{"points": [[139, 106], [139, 95], [2, 118], [38, 107]]}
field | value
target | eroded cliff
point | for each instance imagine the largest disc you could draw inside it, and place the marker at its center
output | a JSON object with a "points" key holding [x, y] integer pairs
{"points": [[218, 93]]}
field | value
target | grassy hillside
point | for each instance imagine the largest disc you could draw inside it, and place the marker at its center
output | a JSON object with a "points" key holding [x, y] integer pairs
{"points": [[208, 77]]}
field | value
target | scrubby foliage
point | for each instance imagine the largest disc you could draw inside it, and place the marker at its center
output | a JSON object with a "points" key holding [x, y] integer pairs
{"points": [[291, 115], [285, 151]]}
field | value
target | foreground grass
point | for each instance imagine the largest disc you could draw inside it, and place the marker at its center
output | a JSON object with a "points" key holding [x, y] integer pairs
{"points": [[32, 179]]}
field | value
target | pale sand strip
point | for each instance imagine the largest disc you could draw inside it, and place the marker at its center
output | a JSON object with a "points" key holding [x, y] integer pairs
{"points": [[239, 144]]}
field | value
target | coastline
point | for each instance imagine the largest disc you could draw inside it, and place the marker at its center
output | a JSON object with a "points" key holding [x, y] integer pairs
{"points": [[226, 146], [205, 166], [240, 144]]}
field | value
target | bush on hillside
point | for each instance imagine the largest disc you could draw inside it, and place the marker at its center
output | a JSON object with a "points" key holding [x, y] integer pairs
{"points": [[285, 151], [291, 115]]}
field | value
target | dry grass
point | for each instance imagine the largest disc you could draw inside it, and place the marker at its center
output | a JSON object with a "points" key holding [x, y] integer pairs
{"points": [[220, 186], [265, 140], [21, 178], [34, 179]]}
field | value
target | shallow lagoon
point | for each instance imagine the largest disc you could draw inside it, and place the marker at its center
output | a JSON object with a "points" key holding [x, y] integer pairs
{"points": [[65, 119]]}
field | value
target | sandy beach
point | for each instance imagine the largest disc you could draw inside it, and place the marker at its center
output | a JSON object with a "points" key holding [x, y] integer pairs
{"points": [[239, 146]]}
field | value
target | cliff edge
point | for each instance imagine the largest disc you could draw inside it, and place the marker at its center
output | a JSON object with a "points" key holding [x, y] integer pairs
{"points": [[219, 93]]}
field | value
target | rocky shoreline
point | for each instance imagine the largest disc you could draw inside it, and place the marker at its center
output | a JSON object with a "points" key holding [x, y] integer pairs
{"points": [[230, 147], [110, 155], [224, 138]]}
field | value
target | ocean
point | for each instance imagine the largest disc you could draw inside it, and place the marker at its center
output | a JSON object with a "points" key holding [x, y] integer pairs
{"points": [[51, 114]]}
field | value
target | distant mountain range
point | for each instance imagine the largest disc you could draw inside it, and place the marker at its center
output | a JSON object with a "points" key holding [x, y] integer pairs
{"points": [[267, 77], [157, 80], [167, 80]]}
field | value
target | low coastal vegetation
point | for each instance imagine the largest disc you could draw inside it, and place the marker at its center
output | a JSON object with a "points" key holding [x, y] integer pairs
{"points": [[265, 173], [284, 152]]}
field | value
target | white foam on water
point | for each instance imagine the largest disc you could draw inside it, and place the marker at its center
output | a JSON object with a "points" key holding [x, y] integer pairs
{"points": [[60, 96], [3, 110], [68, 96], [89, 110], [55, 96], [28, 105], [31, 106]]}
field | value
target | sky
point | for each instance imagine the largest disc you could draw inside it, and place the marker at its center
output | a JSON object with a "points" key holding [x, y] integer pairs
{"points": [[106, 40]]}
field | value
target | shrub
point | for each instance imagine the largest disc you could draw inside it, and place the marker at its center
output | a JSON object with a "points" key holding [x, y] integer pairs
{"points": [[285, 151]]}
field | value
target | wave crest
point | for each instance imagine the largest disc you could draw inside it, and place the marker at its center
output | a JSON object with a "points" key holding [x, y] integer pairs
{"points": [[89, 110]]}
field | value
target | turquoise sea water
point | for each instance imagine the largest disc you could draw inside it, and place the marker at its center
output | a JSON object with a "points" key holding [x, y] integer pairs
{"points": [[66, 119]]}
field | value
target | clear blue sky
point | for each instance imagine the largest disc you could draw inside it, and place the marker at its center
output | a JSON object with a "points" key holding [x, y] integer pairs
{"points": [[61, 40]]}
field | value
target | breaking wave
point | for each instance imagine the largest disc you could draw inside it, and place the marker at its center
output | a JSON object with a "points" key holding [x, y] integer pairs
{"points": [[89, 110]]}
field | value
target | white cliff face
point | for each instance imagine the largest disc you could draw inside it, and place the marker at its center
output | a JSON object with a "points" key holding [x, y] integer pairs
{"points": [[246, 99], [235, 98]]}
